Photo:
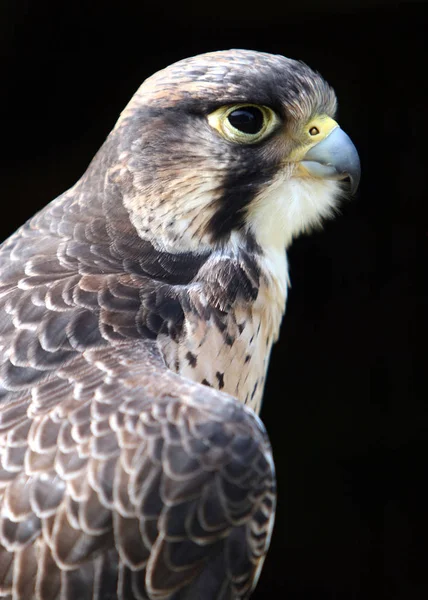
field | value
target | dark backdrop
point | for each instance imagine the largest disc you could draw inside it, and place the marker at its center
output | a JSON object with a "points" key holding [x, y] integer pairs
{"points": [[343, 406]]}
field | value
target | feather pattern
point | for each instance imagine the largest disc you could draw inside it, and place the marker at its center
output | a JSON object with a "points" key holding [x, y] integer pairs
{"points": [[150, 475], [119, 479]]}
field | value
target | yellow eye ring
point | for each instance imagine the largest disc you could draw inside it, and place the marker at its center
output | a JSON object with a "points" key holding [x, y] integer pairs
{"points": [[243, 123]]}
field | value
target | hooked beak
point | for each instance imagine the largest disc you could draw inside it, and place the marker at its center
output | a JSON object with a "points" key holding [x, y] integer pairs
{"points": [[335, 157]]}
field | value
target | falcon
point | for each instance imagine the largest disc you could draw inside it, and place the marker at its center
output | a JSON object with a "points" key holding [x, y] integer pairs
{"points": [[137, 315]]}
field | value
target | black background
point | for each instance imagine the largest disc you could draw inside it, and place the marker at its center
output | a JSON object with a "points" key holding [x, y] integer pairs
{"points": [[343, 405]]}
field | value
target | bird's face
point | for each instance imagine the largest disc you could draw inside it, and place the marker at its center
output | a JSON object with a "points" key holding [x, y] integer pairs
{"points": [[236, 145]]}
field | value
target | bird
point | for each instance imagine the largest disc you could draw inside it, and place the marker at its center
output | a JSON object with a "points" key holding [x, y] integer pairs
{"points": [[137, 315]]}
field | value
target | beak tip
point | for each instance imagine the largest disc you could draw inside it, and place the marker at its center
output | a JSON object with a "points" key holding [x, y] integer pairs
{"points": [[355, 183], [354, 176]]}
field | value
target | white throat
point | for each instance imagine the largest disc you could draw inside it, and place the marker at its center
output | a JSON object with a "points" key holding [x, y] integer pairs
{"points": [[290, 207]]}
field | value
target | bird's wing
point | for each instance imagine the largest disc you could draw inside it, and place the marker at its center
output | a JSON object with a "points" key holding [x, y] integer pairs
{"points": [[118, 478], [117, 474]]}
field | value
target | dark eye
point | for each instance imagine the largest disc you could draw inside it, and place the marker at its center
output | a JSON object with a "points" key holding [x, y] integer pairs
{"points": [[248, 119], [244, 123]]}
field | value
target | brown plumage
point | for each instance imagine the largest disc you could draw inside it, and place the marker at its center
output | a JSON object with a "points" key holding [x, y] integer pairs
{"points": [[160, 276]]}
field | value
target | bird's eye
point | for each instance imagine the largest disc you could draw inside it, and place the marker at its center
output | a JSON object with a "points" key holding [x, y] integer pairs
{"points": [[243, 123], [248, 119]]}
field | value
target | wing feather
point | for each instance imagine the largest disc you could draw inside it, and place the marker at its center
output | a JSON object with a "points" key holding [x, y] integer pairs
{"points": [[154, 480], [118, 479]]}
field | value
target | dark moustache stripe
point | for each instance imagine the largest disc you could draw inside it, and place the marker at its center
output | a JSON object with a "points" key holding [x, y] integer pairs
{"points": [[239, 190]]}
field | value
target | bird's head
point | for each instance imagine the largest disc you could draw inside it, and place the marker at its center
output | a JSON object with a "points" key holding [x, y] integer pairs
{"points": [[232, 145]]}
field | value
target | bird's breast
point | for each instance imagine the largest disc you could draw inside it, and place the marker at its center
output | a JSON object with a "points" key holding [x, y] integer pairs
{"points": [[229, 351]]}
